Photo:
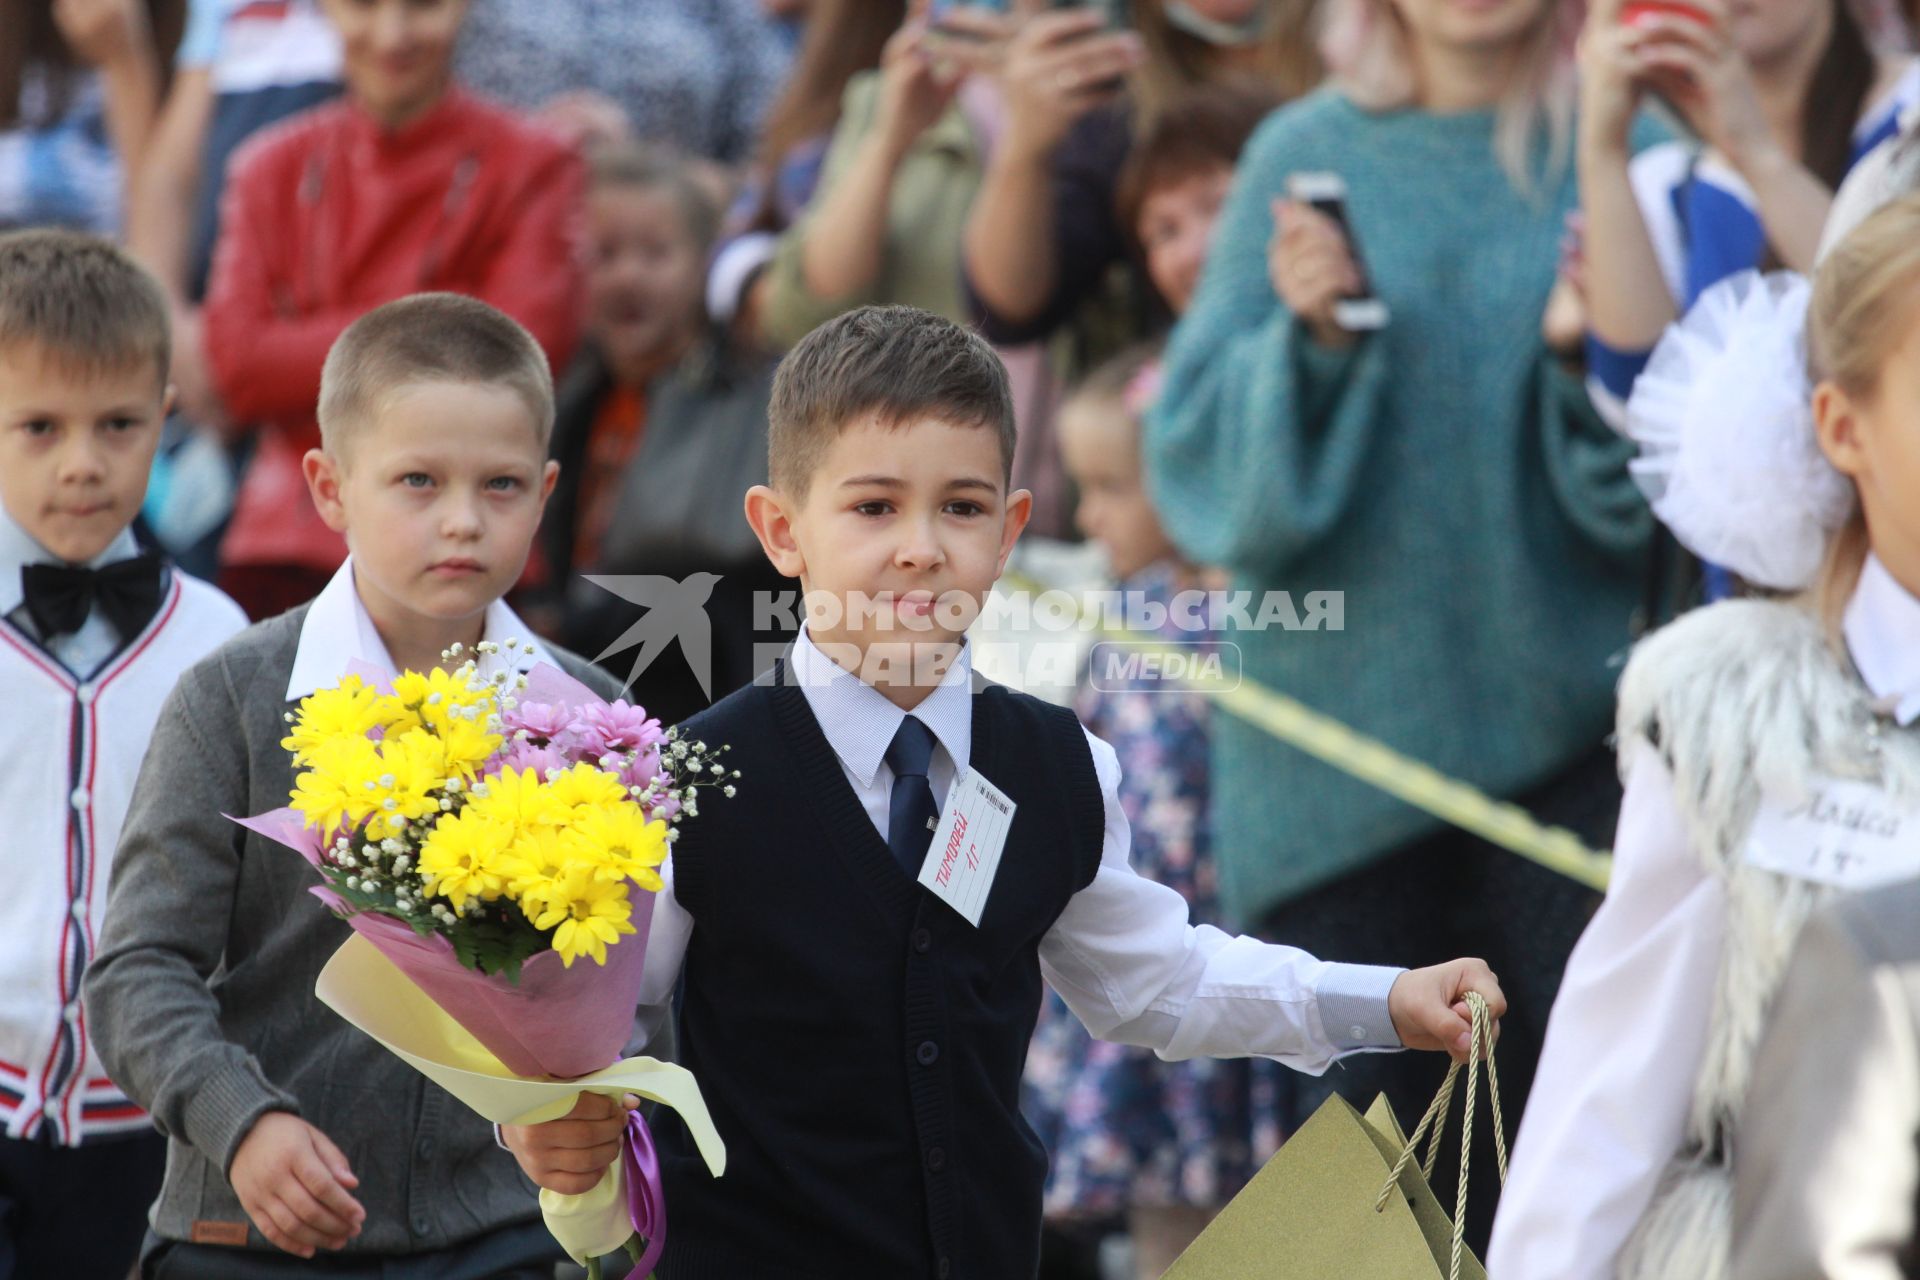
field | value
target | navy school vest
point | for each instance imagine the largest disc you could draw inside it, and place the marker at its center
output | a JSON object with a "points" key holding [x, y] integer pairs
{"points": [[858, 1043]]}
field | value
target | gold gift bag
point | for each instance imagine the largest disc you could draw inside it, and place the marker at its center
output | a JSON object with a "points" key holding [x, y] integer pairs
{"points": [[1342, 1199]]}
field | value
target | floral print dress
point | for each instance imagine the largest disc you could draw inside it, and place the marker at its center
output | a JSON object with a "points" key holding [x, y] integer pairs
{"points": [[1123, 1128]]}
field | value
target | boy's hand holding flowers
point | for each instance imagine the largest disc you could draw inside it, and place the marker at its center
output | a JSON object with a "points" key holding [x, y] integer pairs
{"points": [[1429, 1006], [570, 1154]]}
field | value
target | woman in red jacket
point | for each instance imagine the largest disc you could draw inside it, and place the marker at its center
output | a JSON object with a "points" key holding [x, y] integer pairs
{"points": [[408, 183]]}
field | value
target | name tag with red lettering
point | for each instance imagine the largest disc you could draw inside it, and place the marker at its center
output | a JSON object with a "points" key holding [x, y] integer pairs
{"points": [[966, 845]]}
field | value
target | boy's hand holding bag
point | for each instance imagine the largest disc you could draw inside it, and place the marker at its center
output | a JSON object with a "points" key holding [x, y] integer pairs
{"points": [[1342, 1197]]}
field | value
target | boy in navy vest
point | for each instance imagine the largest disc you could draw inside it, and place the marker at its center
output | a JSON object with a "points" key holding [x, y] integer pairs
{"points": [[94, 631], [860, 979]]}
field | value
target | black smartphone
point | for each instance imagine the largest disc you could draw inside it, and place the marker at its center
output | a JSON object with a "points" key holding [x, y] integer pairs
{"points": [[1326, 192]]}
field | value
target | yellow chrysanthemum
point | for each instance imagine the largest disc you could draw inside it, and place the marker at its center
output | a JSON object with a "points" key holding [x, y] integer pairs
{"points": [[585, 787], [532, 864], [414, 768], [351, 709], [468, 746], [518, 798], [621, 843], [333, 792], [433, 696], [462, 858], [587, 914]]}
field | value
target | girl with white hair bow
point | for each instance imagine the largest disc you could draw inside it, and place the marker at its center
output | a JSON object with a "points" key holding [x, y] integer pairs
{"points": [[1768, 745], [1782, 98]]}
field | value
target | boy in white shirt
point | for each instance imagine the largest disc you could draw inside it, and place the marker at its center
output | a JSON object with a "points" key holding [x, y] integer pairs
{"points": [[94, 631], [859, 1039]]}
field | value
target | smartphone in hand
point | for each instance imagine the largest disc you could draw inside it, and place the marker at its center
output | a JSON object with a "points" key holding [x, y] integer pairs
{"points": [[1326, 192]]}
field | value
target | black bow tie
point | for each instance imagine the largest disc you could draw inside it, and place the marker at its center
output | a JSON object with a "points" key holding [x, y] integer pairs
{"points": [[59, 596]]}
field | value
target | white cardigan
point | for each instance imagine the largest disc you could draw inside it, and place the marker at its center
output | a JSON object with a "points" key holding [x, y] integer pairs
{"points": [[72, 749]]}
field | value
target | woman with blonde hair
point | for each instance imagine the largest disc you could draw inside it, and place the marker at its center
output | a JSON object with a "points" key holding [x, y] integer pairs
{"points": [[1770, 759], [1444, 470]]}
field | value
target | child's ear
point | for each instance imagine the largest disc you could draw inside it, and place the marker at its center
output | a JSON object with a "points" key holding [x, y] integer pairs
{"points": [[767, 513], [1019, 511], [169, 398], [1836, 425], [549, 476], [322, 471]]}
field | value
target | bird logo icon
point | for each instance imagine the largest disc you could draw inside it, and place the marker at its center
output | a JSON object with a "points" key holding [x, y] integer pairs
{"points": [[676, 609]]}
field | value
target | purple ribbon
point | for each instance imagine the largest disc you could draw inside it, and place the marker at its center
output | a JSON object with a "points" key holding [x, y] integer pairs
{"points": [[646, 1199]]}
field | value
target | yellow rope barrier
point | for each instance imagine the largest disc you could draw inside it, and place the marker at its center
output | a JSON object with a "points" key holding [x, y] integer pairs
{"points": [[1373, 762]]}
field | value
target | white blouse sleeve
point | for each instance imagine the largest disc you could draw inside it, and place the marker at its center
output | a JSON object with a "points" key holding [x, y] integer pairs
{"points": [[1623, 1048]]}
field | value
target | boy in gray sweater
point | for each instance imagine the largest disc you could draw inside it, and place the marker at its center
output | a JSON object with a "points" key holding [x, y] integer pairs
{"points": [[289, 1131]]}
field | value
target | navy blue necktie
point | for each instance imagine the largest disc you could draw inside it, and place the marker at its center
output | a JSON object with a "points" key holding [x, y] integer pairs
{"points": [[910, 807]]}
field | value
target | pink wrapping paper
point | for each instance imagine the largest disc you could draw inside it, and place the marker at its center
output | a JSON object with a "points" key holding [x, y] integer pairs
{"points": [[558, 1021]]}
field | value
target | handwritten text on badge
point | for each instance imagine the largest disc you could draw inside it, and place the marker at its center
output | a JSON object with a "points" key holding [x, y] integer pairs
{"points": [[960, 866], [1851, 835]]}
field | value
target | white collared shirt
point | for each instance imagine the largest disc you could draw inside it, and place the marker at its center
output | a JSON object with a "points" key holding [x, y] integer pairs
{"points": [[338, 632], [1123, 954], [1609, 1104], [81, 652], [1883, 641]]}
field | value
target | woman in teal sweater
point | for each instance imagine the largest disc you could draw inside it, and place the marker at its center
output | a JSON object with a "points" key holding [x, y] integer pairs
{"points": [[1448, 475]]}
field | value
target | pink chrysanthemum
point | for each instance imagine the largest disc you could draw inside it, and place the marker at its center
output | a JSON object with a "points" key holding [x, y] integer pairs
{"points": [[642, 769], [524, 755], [544, 723], [619, 726]]}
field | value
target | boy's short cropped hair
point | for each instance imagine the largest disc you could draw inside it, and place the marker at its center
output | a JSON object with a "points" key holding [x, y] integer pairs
{"points": [[82, 302], [894, 364], [429, 337]]}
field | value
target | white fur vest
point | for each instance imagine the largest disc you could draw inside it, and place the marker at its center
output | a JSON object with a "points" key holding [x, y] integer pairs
{"points": [[1741, 699]]}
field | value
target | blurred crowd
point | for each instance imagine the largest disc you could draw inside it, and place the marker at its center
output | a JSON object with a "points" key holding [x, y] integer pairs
{"points": [[1162, 213]]}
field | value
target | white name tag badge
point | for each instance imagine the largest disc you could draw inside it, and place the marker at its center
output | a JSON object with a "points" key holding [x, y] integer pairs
{"points": [[960, 865], [1851, 835]]}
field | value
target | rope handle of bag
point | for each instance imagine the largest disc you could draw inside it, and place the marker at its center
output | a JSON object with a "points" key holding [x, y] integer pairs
{"points": [[1481, 1045]]}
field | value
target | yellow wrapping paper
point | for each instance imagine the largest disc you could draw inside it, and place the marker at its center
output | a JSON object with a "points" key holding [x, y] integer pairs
{"points": [[368, 990]]}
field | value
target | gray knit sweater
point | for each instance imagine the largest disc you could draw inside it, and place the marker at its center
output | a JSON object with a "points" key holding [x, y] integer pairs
{"points": [[201, 998]]}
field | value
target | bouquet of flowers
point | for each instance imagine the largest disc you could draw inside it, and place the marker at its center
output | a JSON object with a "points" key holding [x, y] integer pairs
{"points": [[494, 837]]}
